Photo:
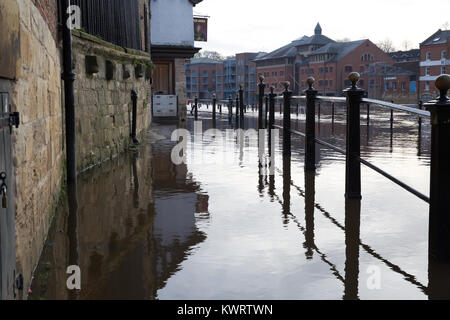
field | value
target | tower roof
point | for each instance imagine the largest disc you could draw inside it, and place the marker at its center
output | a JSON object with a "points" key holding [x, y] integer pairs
{"points": [[318, 29]]}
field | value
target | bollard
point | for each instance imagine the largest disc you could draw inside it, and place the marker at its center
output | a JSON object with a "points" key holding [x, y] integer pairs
{"points": [[196, 109], [296, 112], [220, 109], [261, 86], [287, 119], [241, 100], [439, 226], [230, 108], [353, 166], [134, 98], [214, 101], [310, 143]]}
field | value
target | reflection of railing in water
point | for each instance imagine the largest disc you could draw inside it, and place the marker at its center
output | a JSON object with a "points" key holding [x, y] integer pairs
{"points": [[408, 277], [440, 175]]}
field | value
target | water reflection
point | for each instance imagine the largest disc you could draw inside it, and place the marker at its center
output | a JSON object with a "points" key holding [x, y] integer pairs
{"points": [[135, 224], [145, 230], [352, 242]]}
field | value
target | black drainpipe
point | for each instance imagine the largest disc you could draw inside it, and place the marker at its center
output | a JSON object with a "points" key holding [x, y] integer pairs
{"points": [[69, 78]]}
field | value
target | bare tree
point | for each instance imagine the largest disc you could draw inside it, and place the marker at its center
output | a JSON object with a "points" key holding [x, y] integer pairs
{"points": [[406, 44], [346, 39], [209, 54], [445, 25], [386, 45]]}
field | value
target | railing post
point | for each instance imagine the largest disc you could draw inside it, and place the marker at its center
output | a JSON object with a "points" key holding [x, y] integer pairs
{"points": [[310, 126], [318, 111], [272, 96], [332, 113], [287, 119], [241, 100], [237, 109], [439, 232], [230, 108], [266, 111], [420, 118], [196, 109], [353, 166], [368, 115], [134, 98], [261, 86], [214, 101]]}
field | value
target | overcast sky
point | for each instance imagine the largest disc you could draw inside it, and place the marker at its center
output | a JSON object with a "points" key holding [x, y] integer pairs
{"points": [[265, 25]]}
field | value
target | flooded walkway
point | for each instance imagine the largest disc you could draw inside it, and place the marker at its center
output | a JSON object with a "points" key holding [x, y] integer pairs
{"points": [[220, 227]]}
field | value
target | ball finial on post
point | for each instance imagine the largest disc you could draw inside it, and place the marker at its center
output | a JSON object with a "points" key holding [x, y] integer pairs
{"points": [[261, 79], [310, 81], [443, 85], [354, 78], [272, 88], [214, 95], [286, 85], [241, 86]]}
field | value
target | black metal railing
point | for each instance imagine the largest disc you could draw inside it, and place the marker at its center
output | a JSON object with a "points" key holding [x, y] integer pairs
{"points": [[115, 21], [438, 112]]}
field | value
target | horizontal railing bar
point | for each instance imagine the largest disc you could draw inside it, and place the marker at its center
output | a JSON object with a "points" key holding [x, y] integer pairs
{"points": [[331, 99], [394, 106], [368, 164]]}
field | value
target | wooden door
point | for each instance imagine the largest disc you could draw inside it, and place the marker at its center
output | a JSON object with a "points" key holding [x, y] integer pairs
{"points": [[163, 78], [7, 206]]}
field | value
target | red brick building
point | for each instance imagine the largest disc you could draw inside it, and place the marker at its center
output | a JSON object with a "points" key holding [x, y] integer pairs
{"points": [[281, 65], [434, 61], [328, 61], [201, 78]]}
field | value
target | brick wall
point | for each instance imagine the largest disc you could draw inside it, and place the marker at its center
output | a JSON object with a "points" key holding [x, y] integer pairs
{"points": [[48, 10]]}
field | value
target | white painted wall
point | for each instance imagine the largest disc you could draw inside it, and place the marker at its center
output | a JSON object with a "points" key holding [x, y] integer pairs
{"points": [[172, 22]]}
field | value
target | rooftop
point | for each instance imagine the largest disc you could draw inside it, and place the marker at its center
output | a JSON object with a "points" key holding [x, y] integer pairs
{"points": [[439, 37], [204, 61], [338, 50]]}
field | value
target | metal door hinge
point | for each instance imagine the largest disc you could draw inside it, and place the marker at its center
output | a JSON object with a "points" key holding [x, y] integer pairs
{"points": [[14, 120]]}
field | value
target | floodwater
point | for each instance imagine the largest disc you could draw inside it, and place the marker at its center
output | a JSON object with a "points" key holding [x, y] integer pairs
{"points": [[221, 227]]}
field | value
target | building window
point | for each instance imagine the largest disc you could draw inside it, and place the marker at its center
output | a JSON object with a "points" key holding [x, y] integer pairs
{"points": [[427, 86], [394, 86], [326, 69], [403, 86], [320, 70], [361, 69], [443, 70], [348, 69], [331, 83], [428, 56], [361, 83], [443, 55], [347, 83], [281, 73], [331, 69]]}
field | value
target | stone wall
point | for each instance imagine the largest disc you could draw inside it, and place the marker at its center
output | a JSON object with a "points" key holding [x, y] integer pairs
{"points": [[180, 87], [38, 153], [103, 107]]}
